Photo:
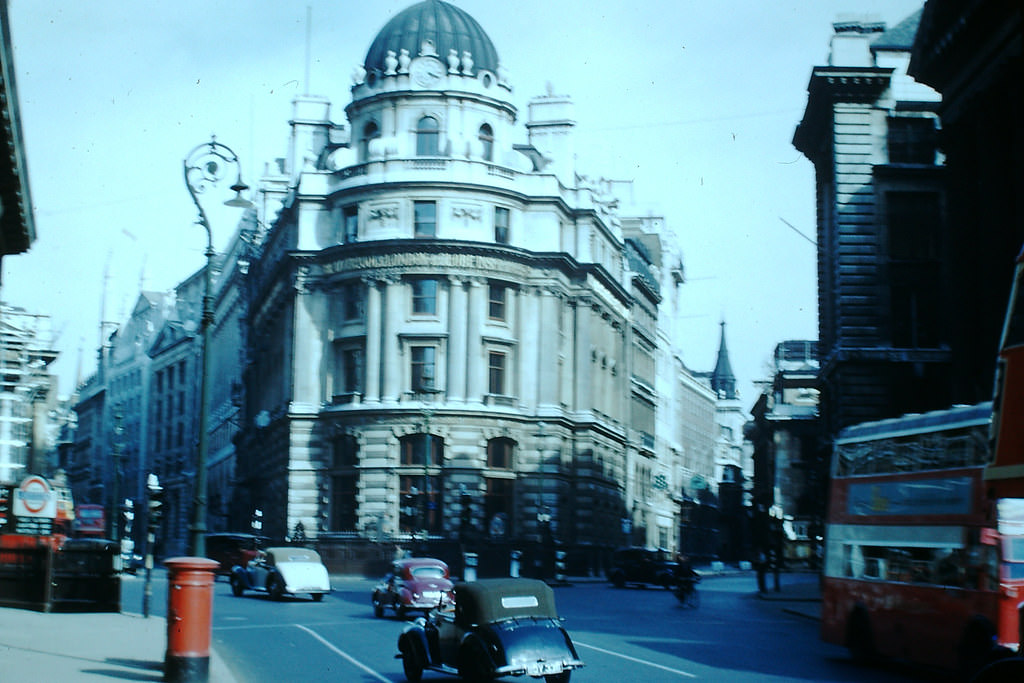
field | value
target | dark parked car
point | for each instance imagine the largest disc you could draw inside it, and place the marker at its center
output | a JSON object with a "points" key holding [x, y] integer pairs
{"points": [[415, 583], [642, 566], [283, 571], [497, 627], [233, 549]]}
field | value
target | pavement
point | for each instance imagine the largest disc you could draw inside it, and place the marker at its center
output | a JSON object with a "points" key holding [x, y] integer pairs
{"points": [[73, 647], [87, 646], [798, 594]]}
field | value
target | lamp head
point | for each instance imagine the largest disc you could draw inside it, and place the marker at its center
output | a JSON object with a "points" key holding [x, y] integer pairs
{"points": [[238, 200]]}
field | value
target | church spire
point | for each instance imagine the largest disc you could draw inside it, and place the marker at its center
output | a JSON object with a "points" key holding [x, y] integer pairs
{"points": [[723, 381]]}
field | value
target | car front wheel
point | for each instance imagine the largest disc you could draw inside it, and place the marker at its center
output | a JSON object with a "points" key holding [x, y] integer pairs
{"points": [[475, 665], [236, 586], [412, 666], [275, 588], [317, 597]]}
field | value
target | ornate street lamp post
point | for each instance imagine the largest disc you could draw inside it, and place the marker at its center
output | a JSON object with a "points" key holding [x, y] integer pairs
{"points": [[206, 167], [115, 503]]}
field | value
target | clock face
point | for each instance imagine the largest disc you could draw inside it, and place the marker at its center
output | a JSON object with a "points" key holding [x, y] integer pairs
{"points": [[426, 71]]}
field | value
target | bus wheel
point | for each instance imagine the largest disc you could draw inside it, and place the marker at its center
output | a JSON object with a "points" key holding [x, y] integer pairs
{"points": [[859, 640], [977, 647]]}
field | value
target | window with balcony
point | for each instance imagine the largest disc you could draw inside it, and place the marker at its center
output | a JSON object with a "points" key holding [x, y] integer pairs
{"points": [[496, 383], [351, 369], [424, 219], [423, 369], [352, 301], [427, 137]]}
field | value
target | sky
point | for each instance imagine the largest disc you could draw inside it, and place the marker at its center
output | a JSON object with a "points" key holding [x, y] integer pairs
{"points": [[696, 102]]}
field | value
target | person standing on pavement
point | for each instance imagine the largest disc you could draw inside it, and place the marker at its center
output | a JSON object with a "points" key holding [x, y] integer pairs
{"points": [[761, 565]]}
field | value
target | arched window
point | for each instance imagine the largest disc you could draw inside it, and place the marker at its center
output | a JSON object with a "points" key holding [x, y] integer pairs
{"points": [[427, 135], [422, 491], [415, 446], [499, 453], [342, 514], [486, 137], [370, 132]]}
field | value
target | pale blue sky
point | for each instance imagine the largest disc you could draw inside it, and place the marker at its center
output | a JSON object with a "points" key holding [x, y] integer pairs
{"points": [[695, 101]]}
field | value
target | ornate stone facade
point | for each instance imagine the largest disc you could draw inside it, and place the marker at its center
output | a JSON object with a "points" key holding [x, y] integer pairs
{"points": [[446, 336]]}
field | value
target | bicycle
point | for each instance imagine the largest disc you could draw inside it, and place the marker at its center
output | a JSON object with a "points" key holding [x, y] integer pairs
{"points": [[686, 592]]}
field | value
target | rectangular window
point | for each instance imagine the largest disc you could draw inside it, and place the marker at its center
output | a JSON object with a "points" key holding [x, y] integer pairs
{"points": [[343, 502], [498, 505], [496, 297], [352, 370], [421, 503], [350, 223], [496, 372], [424, 219], [915, 272], [501, 225], [415, 446], [424, 297], [912, 140], [352, 301], [499, 454], [423, 368]]}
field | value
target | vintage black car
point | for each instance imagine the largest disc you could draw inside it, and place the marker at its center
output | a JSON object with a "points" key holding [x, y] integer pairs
{"points": [[283, 571], [498, 627], [642, 566]]}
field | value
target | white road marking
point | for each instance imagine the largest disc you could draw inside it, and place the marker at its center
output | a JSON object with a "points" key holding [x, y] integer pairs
{"points": [[352, 660], [678, 672]]}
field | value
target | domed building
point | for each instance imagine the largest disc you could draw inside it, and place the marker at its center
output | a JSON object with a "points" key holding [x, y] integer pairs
{"points": [[452, 332]]}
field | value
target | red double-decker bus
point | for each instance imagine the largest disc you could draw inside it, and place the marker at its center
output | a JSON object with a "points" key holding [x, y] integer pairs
{"points": [[90, 521], [921, 561], [924, 556]]}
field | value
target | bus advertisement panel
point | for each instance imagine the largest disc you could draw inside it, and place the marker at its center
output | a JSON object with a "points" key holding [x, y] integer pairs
{"points": [[921, 562]]}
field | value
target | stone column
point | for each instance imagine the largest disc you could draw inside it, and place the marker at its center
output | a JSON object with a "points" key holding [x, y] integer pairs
{"points": [[528, 323], [391, 355], [476, 363], [371, 392], [308, 345], [582, 399], [547, 339], [457, 331]]}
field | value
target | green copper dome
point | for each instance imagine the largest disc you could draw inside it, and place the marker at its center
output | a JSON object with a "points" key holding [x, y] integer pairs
{"points": [[447, 27]]}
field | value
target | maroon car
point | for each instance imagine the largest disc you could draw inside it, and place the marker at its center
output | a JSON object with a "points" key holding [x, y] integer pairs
{"points": [[415, 584]]}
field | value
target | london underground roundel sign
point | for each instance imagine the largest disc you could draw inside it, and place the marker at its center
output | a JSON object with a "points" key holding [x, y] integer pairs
{"points": [[34, 498]]}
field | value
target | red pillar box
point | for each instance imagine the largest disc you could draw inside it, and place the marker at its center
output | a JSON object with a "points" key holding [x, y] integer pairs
{"points": [[189, 618]]}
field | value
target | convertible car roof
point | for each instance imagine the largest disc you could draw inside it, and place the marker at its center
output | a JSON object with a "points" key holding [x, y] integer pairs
{"points": [[293, 554], [489, 600]]}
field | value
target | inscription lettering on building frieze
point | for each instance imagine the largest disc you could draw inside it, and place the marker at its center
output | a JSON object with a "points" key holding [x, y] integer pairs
{"points": [[412, 260]]}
